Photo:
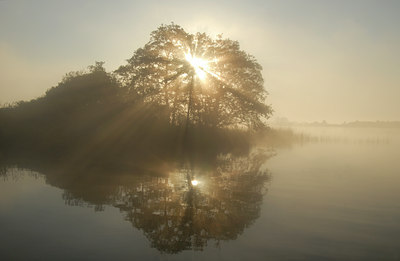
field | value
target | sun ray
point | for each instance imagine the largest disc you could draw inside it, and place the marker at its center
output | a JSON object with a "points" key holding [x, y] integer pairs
{"points": [[201, 66]]}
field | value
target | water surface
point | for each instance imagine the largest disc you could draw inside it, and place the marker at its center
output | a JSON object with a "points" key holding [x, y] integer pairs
{"points": [[332, 199]]}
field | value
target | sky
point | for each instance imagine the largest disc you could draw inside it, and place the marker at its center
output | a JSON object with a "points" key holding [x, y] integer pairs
{"points": [[337, 61]]}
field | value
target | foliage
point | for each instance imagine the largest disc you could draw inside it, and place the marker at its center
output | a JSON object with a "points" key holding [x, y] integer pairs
{"points": [[104, 129], [66, 114], [230, 92], [147, 102]]}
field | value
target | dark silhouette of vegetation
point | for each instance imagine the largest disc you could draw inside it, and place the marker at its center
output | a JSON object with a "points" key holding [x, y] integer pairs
{"points": [[89, 115], [181, 108], [209, 81], [158, 104]]}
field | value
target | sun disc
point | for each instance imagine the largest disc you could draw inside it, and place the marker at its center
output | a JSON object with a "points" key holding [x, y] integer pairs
{"points": [[200, 66]]}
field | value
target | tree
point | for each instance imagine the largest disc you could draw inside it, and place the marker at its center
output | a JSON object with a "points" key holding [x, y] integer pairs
{"points": [[82, 88], [208, 81]]}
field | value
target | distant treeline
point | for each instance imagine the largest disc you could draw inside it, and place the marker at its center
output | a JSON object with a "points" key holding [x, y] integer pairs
{"points": [[355, 124], [373, 124]]}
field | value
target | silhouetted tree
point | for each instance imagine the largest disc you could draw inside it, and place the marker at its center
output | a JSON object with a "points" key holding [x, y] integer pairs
{"points": [[209, 80], [81, 89], [176, 78]]}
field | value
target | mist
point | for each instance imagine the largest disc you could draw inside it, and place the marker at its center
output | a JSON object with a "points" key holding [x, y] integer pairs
{"points": [[176, 130]]}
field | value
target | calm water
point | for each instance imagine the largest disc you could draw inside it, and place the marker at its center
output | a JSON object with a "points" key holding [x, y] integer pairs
{"points": [[337, 199]]}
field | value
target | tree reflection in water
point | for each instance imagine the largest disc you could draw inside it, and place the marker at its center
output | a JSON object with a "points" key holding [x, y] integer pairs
{"points": [[174, 214]]}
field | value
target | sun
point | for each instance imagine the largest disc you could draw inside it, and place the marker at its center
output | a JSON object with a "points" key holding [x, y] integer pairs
{"points": [[201, 66]]}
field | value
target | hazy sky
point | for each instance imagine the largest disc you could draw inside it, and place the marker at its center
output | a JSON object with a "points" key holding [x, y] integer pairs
{"points": [[323, 60]]}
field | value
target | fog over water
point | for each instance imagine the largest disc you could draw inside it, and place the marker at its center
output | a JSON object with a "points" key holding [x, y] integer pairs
{"points": [[179, 130], [335, 198]]}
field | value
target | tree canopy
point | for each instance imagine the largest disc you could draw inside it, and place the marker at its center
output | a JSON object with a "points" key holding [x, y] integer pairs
{"points": [[208, 81], [176, 78]]}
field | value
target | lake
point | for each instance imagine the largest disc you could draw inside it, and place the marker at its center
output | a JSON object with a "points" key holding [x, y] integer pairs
{"points": [[335, 197]]}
